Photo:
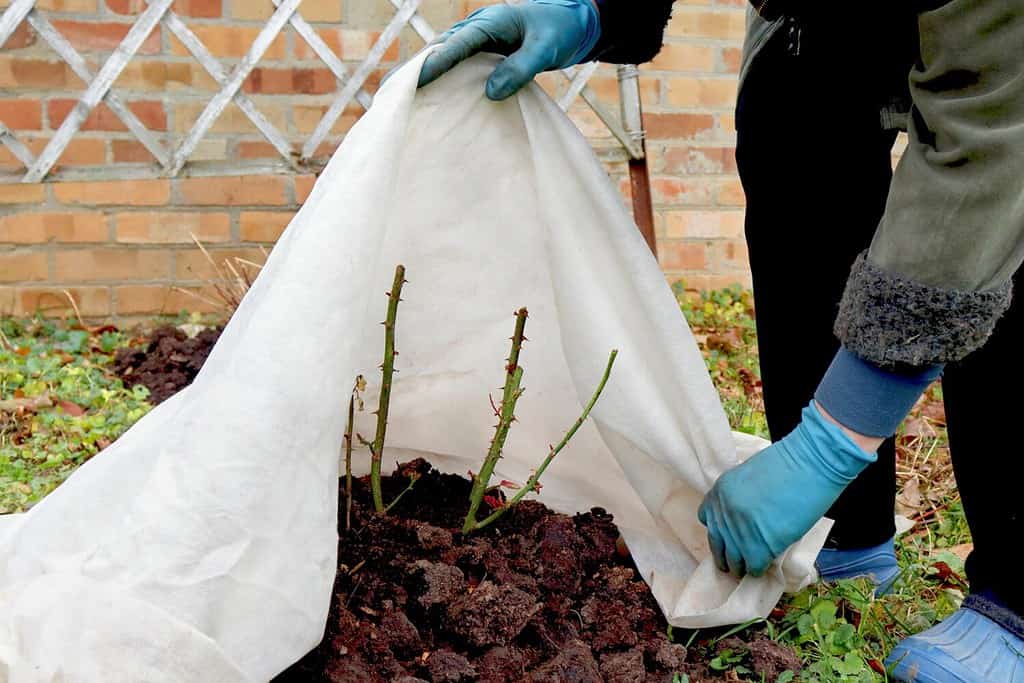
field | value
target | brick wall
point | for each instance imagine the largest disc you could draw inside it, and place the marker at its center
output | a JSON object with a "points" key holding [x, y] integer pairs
{"points": [[123, 249]]}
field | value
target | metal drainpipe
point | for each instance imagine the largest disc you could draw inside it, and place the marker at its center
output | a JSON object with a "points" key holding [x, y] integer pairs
{"points": [[639, 175]]}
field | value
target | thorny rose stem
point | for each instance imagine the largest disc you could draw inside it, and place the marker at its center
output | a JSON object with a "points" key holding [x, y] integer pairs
{"points": [[534, 480], [506, 416], [360, 383], [387, 372]]}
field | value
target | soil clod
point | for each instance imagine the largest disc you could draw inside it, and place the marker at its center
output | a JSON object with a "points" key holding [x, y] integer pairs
{"points": [[538, 596], [167, 362]]}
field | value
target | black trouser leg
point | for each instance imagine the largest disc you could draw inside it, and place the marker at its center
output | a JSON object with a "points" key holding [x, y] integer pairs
{"points": [[815, 165], [981, 412]]}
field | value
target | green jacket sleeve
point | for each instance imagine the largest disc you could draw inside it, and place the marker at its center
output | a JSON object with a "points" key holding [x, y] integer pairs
{"points": [[938, 273]]}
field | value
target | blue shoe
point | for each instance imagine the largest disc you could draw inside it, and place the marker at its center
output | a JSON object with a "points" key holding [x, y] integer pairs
{"points": [[877, 563], [966, 648]]}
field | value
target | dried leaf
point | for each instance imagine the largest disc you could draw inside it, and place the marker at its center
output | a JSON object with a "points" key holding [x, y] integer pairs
{"points": [[962, 550], [909, 500], [72, 409]]}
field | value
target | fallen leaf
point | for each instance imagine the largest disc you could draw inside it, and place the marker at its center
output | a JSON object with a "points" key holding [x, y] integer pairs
{"points": [[72, 409], [962, 550], [727, 342], [935, 412], [916, 427], [947, 577], [909, 500]]}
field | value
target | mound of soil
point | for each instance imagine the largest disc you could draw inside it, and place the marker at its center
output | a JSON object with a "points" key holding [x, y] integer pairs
{"points": [[166, 361], [539, 596]]}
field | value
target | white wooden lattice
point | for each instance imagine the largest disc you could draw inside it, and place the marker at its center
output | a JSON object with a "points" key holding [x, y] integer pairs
{"points": [[175, 161]]}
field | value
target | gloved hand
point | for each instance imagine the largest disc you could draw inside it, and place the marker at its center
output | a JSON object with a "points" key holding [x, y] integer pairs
{"points": [[537, 36], [758, 509]]}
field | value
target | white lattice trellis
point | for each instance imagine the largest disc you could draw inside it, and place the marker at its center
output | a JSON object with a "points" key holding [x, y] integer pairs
{"points": [[175, 161]]}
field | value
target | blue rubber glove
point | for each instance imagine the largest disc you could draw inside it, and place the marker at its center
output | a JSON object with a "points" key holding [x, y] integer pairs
{"points": [[537, 36], [758, 509]]}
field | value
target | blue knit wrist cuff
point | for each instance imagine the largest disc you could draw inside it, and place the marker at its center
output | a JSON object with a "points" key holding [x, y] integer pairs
{"points": [[868, 399]]}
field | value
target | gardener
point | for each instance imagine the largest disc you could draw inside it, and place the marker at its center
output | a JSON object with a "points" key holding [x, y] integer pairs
{"points": [[927, 291]]}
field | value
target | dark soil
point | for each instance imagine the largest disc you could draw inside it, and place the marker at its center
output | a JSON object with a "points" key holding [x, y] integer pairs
{"points": [[166, 361], [539, 596]]}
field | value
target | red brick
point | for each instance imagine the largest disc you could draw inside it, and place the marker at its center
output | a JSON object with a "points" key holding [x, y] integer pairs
{"points": [[79, 152], [150, 112], [733, 254], [205, 9], [91, 302], [327, 148], [732, 59], [263, 226], [163, 299], [20, 193], [28, 228], [154, 75], [23, 36], [320, 10], [255, 149], [177, 227], [704, 224], [23, 266], [96, 265], [21, 114], [233, 191], [230, 41], [78, 6], [193, 264], [685, 57], [701, 92], [699, 160], [607, 88], [678, 126], [113, 192], [25, 72], [727, 124], [718, 25], [130, 151], [306, 118], [104, 36], [730, 193], [682, 256], [290, 81], [303, 186], [349, 44], [682, 191], [231, 120]]}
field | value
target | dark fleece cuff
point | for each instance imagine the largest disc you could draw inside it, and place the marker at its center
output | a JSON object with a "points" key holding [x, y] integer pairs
{"points": [[989, 606], [631, 32], [891, 321]]}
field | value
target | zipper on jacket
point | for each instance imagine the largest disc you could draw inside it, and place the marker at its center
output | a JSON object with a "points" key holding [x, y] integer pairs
{"points": [[793, 36]]}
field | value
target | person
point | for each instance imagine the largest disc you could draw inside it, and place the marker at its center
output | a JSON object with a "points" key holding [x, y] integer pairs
{"points": [[919, 263]]}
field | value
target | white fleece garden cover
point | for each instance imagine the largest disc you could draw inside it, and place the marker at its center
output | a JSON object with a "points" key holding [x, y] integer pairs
{"points": [[201, 545]]}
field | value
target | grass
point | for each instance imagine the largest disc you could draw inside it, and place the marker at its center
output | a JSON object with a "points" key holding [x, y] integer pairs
{"points": [[840, 632], [61, 404]]}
